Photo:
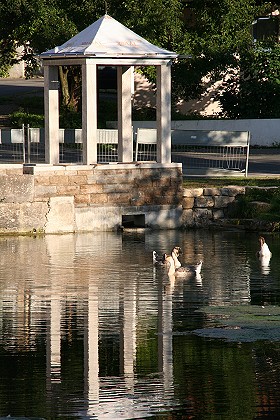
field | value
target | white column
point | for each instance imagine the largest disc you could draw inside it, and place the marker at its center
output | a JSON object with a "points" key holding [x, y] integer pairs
{"points": [[89, 112], [125, 142], [164, 113], [51, 99]]}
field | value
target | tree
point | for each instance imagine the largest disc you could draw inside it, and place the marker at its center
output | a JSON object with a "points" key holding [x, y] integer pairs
{"points": [[34, 24], [214, 36], [254, 90]]}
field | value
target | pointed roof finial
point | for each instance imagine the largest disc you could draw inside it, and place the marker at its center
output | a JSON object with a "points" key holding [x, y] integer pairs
{"points": [[106, 7]]}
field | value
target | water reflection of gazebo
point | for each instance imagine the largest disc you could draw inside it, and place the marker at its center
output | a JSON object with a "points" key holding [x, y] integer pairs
{"points": [[107, 43]]}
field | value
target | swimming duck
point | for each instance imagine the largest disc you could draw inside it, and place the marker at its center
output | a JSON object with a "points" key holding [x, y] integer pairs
{"points": [[176, 251], [183, 271], [264, 251], [162, 260], [159, 259]]}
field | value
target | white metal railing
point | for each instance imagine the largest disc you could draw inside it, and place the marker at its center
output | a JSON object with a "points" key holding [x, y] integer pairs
{"points": [[202, 153]]}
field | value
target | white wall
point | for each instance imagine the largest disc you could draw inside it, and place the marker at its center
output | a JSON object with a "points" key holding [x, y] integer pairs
{"points": [[264, 132]]}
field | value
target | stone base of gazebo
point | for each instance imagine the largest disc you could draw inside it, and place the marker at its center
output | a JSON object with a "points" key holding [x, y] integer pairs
{"points": [[76, 198]]}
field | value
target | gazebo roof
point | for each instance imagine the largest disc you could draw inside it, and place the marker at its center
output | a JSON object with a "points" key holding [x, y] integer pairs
{"points": [[107, 38]]}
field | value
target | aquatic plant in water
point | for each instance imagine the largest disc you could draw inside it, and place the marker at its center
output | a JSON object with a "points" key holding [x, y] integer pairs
{"points": [[241, 323]]}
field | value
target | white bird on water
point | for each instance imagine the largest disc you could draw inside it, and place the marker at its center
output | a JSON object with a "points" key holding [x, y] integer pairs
{"points": [[162, 260], [264, 255], [264, 251]]}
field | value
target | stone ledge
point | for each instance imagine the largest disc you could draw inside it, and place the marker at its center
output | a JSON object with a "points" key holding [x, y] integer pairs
{"points": [[32, 169]]}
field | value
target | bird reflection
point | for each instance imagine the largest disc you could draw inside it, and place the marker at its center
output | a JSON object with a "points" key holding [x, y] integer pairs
{"points": [[265, 264]]}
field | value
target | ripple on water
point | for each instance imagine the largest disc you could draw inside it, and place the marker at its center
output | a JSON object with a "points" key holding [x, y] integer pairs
{"points": [[89, 328]]}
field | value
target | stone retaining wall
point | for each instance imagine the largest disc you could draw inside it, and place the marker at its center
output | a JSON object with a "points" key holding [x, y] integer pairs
{"points": [[75, 198], [69, 198], [203, 206]]}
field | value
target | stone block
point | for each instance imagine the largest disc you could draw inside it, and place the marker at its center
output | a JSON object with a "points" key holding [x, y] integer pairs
{"points": [[260, 206], [77, 179], [32, 216], [41, 180], [22, 217], [98, 218], [232, 191], [116, 188], [16, 188], [204, 201], [201, 214], [43, 191], [105, 178], [67, 189], [91, 189], [218, 214], [9, 217], [188, 202], [165, 217], [59, 180], [160, 182], [82, 199], [187, 218], [223, 201], [212, 191], [99, 198], [61, 215], [12, 172], [120, 199], [192, 192]]}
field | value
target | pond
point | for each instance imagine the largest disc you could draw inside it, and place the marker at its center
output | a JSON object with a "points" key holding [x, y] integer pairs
{"points": [[91, 329]]}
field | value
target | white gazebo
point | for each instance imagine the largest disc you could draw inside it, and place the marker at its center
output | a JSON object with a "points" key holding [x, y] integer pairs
{"points": [[107, 42]]}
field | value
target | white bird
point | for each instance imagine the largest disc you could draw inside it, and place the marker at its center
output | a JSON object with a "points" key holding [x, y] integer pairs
{"points": [[264, 251], [185, 270], [162, 260], [176, 251]]}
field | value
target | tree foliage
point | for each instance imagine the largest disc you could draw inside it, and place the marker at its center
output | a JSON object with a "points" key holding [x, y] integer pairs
{"points": [[253, 88], [214, 37]]}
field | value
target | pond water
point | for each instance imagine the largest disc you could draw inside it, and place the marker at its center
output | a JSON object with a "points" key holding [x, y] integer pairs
{"points": [[91, 329]]}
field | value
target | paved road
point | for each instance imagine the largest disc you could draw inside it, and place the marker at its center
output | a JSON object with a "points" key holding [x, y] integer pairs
{"points": [[262, 162], [12, 87]]}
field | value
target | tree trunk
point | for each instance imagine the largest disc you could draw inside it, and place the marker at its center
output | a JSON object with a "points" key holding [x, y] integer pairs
{"points": [[65, 95]]}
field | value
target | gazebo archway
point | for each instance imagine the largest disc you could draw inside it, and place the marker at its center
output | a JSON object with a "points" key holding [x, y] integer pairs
{"points": [[107, 42]]}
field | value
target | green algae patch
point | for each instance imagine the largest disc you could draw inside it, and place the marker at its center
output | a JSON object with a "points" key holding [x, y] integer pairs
{"points": [[241, 323]]}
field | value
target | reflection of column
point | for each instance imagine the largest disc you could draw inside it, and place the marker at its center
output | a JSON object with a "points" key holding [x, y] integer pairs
{"points": [[91, 361], [61, 254], [165, 323], [54, 340], [55, 334], [128, 335]]}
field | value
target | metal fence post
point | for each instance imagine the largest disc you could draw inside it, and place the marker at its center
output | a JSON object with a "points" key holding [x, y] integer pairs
{"points": [[23, 143], [28, 144]]}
